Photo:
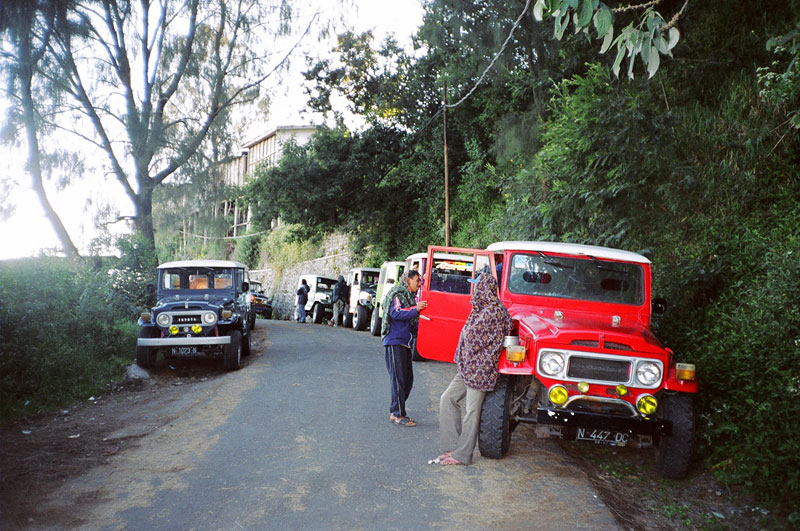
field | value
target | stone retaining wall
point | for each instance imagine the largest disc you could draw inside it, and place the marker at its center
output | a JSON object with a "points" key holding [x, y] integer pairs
{"points": [[281, 285]]}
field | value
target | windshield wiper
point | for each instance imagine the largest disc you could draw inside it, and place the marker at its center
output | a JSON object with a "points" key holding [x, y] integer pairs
{"points": [[553, 262], [599, 265]]}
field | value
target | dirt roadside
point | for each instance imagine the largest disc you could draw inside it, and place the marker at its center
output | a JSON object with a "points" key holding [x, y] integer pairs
{"points": [[42, 452]]}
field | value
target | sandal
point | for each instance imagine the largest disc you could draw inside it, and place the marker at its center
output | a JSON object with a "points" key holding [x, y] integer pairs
{"points": [[449, 461], [438, 460], [405, 421]]}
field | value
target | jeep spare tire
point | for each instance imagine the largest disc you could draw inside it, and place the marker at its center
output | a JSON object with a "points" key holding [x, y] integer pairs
{"points": [[375, 322], [232, 358], [347, 320], [362, 318], [318, 313]]}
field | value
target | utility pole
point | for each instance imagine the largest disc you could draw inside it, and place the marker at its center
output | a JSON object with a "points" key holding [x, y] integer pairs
{"points": [[446, 179]]}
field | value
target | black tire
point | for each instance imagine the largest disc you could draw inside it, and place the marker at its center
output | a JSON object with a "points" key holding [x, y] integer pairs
{"points": [[318, 313], [253, 320], [362, 318], [232, 358], [496, 425], [674, 453], [268, 314], [347, 320], [246, 343], [146, 356], [375, 322]]}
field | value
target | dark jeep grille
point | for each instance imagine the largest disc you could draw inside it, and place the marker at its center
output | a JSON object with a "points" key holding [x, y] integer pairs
{"points": [[598, 369], [185, 319]]}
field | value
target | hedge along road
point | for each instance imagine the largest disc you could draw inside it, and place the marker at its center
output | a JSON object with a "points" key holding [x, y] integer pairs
{"points": [[300, 438]]}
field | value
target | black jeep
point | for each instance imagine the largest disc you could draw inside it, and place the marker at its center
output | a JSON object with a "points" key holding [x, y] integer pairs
{"points": [[203, 310]]}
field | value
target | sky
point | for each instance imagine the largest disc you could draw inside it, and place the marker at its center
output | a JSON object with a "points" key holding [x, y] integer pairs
{"points": [[27, 232]]}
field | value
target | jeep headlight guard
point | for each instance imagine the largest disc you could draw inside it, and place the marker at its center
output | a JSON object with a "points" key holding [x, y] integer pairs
{"points": [[551, 363]]}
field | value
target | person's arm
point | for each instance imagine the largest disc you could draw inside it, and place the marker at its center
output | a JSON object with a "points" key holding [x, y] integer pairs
{"points": [[396, 311]]}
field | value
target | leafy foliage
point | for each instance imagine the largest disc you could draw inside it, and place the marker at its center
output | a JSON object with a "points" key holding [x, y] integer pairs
{"points": [[65, 332]]}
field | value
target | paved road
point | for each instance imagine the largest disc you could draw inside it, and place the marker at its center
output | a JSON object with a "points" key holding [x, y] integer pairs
{"points": [[300, 439]]}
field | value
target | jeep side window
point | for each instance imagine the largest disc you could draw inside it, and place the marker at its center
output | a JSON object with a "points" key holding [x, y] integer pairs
{"points": [[451, 277]]}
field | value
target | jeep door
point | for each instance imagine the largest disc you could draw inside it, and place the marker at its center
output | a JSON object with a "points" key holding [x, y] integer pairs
{"points": [[448, 291]]}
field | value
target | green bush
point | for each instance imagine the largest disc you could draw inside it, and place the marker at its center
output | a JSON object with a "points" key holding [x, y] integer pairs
{"points": [[65, 332]]}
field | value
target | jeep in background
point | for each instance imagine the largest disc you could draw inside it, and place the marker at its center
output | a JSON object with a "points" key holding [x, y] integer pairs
{"points": [[390, 272], [202, 310], [363, 282], [320, 292], [582, 362], [259, 302]]}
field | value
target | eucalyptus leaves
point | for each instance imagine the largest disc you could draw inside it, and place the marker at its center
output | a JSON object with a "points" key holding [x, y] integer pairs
{"points": [[649, 37]]}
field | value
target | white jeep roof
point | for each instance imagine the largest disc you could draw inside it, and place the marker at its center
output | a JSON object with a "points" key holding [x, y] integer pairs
{"points": [[570, 248], [202, 263]]}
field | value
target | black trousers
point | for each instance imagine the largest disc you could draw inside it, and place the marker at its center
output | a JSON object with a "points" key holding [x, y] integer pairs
{"points": [[401, 377]]}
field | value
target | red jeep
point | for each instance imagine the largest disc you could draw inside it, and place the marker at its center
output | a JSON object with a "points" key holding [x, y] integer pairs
{"points": [[582, 363]]}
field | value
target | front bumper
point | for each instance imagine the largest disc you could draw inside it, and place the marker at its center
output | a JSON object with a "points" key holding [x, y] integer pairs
{"points": [[586, 419], [178, 341]]}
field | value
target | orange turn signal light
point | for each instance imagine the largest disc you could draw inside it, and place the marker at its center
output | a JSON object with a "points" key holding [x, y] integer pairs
{"points": [[684, 371]]}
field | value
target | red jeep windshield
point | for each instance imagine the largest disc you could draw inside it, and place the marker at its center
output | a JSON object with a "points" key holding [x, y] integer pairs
{"points": [[586, 279]]}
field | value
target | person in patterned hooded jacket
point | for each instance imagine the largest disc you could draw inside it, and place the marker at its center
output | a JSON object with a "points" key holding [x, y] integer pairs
{"points": [[476, 357]]}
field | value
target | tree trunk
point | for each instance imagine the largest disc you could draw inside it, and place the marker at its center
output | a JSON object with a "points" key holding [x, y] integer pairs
{"points": [[25, 76], [144, 210]]}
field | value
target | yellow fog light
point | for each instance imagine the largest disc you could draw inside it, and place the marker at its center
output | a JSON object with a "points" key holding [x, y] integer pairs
{"points": [[197, 329], [226, 314], [515, 353], [558, 394], [647, 404], [173, 330], [583, 387], [622, 390], [684, 371]]}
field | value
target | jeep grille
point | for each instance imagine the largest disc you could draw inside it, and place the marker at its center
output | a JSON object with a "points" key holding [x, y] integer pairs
{"points": [[185, 319], [603, 370]]}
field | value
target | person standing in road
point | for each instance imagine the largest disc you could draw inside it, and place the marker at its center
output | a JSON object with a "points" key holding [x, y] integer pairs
{"points": [[302, 299], [398, 329], [339, 295], [476, 358]]}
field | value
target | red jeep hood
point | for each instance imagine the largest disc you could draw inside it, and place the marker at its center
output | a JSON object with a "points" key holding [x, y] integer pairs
{"points": [[588, 329]]}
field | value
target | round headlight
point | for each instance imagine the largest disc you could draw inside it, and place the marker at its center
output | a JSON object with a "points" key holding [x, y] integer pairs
{"points": [[648, 373], [163, 319], [209, 318], [551, 363]]}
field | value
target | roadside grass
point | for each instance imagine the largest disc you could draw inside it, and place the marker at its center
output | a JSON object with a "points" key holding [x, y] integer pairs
{"points": [[627, 481]]}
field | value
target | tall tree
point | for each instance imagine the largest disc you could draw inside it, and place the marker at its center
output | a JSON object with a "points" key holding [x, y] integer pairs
{"points": [[26, 27], [149, 78]]}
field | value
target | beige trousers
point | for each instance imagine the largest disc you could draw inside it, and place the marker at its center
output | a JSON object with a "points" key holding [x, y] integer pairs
{"points": [[459, 426]]}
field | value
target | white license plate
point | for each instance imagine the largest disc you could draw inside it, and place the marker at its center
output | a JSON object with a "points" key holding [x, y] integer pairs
{"points": [[184, 351], [613, 438]]}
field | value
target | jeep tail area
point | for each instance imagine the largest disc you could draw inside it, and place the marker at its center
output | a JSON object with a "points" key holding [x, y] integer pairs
{"points": [[582, 362], [363, 282], [202, 310]]}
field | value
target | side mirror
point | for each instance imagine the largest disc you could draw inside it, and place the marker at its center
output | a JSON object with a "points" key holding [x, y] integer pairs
{"points": [[150, 288], [659, 306], [245, 287]]}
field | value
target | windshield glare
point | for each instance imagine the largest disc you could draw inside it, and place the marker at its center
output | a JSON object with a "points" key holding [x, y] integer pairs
{"points": [[196, 279], [576, 278]]}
